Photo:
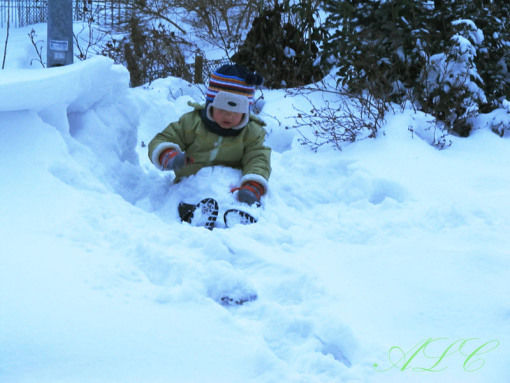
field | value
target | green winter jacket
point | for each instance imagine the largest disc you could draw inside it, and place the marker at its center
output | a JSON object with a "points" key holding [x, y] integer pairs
{"points": [[246, 151]]}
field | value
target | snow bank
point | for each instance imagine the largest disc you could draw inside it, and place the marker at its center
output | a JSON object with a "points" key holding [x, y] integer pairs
{"points": [[79, 85]]}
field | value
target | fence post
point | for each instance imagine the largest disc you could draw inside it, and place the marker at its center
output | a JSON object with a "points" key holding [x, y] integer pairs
{"points": [[60, 33], [199, 70]]}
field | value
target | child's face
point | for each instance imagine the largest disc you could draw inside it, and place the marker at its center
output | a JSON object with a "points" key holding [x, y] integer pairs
{"points": [[226, 119]]}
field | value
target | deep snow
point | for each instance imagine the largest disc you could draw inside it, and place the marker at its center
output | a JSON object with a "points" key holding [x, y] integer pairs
{"points": [[385, 262]]}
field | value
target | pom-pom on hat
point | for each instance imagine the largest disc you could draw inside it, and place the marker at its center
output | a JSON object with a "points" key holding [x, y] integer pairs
{"points": [[231, 88]]}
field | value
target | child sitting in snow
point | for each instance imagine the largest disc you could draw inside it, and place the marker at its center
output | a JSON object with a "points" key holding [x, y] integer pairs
{"points": [[220, 133]]}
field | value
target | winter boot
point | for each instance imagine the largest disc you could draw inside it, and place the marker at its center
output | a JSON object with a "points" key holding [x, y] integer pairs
{"points": [[234, 217], [203, 213]]}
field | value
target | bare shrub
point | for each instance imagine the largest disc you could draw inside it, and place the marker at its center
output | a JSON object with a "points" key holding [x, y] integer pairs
{"points": [[222, 23], [346, 119], [38, 46], [94, 39]]}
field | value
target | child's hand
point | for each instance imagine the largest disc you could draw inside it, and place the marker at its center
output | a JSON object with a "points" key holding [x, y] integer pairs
{"points": [[172, 159], [250, 192]]}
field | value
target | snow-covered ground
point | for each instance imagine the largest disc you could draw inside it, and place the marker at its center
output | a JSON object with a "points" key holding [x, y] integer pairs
{"points": [[386, 262]]}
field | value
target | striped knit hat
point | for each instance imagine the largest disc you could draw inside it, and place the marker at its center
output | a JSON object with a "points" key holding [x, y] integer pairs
{"points": [[231, 88]]}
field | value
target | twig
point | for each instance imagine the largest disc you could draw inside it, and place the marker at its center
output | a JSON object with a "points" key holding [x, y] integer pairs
{"points": [[32, 36], [7, 36]]}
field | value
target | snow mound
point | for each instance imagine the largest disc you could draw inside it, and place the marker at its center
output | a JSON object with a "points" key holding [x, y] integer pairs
{"points": [[117, 273]]}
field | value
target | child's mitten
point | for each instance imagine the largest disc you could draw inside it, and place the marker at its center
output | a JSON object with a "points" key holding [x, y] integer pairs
{"points": [[172, 159], [250, 192]]}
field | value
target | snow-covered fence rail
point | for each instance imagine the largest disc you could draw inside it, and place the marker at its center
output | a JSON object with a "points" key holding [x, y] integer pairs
{"points": [[26, 12]]}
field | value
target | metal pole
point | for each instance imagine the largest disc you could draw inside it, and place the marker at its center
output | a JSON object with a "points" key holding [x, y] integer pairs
{"points": [[60, 33]]}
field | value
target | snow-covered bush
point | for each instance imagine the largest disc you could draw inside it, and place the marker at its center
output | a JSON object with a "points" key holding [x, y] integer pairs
{"points": [[449, 58], [449, 86], [375, 45]]}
